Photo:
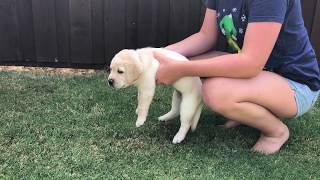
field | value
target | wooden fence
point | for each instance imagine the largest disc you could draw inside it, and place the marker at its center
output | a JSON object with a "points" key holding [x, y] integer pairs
{"points": [[89, 32]]}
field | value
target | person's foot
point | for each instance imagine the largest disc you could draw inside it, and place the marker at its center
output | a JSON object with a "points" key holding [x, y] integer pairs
{"points": [[271, 144], [229, 124]]}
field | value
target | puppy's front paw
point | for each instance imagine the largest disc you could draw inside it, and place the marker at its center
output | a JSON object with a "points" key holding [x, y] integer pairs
{"points": [[162, 118], [178, 138], [139, 123], [137, 110]]}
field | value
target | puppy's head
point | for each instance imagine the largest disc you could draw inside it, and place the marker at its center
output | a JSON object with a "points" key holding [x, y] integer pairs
{"points": [[125, 69]]}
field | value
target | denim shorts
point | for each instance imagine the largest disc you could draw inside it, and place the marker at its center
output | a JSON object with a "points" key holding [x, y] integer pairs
{"points": [[304, 96]]}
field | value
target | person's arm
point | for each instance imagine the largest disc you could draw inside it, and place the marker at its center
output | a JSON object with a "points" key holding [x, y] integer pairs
{"points": [[259, 41], [201, 41]]}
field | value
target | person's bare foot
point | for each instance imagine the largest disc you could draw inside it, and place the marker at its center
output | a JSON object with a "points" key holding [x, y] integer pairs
{"points": [[229, 124], [271, 144]]}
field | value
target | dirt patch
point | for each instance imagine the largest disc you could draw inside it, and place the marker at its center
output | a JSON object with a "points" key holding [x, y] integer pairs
{"points": [[66, 71]]}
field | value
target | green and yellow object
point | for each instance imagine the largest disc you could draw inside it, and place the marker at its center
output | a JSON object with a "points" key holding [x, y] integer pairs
{"points": [[228, 29]]}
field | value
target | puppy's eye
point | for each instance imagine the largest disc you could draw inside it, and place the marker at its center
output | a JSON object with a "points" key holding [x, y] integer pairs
{"points": [[120, 71]]}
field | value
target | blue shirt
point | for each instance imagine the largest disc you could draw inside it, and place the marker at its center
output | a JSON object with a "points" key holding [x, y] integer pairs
{"points": [[293, 56]]}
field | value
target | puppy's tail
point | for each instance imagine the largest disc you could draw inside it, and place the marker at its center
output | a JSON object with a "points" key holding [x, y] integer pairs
{"points": [[196, 117]]}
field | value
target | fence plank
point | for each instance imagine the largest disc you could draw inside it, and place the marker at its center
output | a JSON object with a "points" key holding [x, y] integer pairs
{"points": [[193, 16], [315, 35], [162, 38], [63, 30], [28, 51], [184, 18], [115, 27], [147, 23], [81, 34], [203, 10], [97, 9], [45, 30], [179, 22], [308, 9], [9, 34], [132, 24]]}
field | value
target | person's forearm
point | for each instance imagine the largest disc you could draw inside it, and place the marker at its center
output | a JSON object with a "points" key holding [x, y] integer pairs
{"points": [[230, 66], [195, 44]]}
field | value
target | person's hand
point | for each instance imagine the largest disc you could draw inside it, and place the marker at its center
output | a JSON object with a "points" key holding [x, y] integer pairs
{"points": [[168, 71]]}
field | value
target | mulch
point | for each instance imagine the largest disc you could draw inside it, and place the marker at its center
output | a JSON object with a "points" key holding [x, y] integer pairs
{"points": [[65, 71]]}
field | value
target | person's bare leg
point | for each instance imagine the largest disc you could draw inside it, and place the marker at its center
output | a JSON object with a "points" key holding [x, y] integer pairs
{"points": [[257, 102], [230, 123]]}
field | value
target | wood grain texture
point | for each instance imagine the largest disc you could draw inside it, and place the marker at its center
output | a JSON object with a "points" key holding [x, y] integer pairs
{"points": [[91, 32]]}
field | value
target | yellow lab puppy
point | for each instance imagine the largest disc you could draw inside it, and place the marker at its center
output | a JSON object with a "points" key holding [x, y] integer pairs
{"points": [[139, 68]]}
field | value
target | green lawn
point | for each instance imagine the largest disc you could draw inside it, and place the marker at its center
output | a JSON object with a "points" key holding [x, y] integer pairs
{"points": [[63, 127]]}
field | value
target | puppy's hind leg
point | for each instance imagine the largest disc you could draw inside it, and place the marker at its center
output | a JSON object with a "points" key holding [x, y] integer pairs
{"points": [[187, 112], [175, 107], [196, 117], [137, 109]]}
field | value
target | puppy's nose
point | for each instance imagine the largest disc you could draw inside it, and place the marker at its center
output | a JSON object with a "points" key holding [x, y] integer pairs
{"points": [[111, 81]]}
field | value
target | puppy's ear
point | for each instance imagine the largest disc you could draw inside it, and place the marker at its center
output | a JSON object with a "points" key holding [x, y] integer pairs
{"points": [[145, 55], [134, 57], [108, 69]]}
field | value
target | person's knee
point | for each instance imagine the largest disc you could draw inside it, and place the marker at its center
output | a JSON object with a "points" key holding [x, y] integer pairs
{"points": [[215, 96]]}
